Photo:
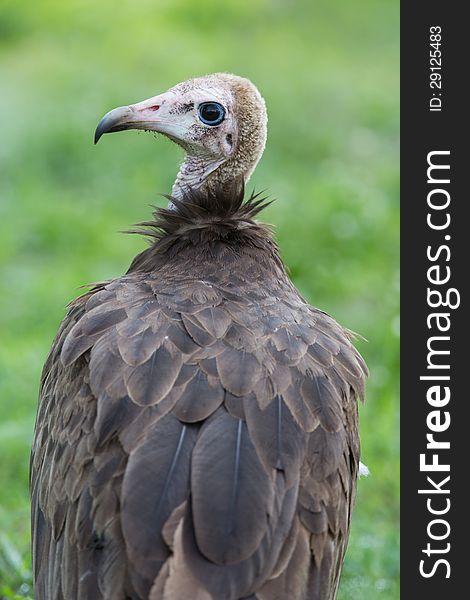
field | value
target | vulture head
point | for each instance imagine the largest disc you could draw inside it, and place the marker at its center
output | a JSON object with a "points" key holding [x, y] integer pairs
{"points": [[219, 120]]}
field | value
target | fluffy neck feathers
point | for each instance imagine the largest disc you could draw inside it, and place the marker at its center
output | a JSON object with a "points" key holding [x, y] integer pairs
{"points": [[205, 223]]}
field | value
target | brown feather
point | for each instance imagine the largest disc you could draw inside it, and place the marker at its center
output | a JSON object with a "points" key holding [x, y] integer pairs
{"points": [[232, 496], [163, 459], [150, 382], [199, 399]]}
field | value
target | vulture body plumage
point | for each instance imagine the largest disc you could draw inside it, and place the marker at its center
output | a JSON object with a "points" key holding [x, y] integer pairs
{"points": [[197, 431]]}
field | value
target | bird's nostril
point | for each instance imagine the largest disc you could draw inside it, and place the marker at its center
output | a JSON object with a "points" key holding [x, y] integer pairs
{"points": [[154, 107]]}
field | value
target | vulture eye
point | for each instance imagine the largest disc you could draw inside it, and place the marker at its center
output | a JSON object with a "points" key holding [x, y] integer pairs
{"points": [[211, 113]]}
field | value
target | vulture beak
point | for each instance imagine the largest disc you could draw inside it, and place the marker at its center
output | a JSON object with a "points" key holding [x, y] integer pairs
{"points": [[116, 120], [153, 114]]}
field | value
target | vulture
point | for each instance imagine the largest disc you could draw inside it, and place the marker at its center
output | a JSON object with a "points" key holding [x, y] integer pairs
{"points": [[197, 428]]}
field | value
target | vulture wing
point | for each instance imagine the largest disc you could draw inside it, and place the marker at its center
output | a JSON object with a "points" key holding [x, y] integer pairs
{"points": [[189, 439]]}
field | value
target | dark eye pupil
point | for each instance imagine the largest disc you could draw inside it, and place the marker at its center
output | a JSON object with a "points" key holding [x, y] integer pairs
{"points": [[211, 113]]}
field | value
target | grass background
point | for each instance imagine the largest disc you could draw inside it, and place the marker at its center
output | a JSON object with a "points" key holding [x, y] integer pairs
{"points": [[329, 73]]}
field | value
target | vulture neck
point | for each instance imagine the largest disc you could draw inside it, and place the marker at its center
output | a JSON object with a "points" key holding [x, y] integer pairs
{"points": [[214, 175], [198, 173]]}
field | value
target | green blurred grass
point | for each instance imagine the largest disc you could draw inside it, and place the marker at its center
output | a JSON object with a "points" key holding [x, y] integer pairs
{"points": [[329, 73]]}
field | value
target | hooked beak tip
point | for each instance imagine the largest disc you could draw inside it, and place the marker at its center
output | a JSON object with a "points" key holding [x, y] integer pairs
{"points": [[114, 120]]}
